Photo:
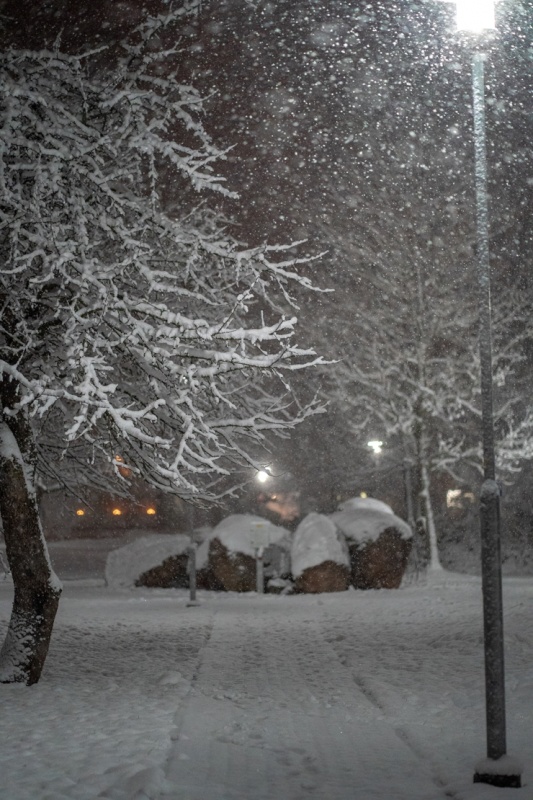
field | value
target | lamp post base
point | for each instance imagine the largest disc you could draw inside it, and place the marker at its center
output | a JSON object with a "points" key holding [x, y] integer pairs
{"points": [[504, 772], [502, 781]]}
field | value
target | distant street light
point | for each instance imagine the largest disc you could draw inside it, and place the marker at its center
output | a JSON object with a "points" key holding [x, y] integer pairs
{"points": [[376, 446], [477, 17], [262, 476]]}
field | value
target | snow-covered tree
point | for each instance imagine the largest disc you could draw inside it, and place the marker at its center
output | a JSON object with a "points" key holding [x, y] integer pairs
{"points": [[130, 336], [412, 376]]}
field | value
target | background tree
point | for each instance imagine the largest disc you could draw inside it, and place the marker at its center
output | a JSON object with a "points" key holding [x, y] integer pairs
{"points": [[124, 330], [411, 376]]}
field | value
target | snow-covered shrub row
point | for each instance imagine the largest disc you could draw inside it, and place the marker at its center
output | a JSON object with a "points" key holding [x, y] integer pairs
{"points": [[233, 544]]}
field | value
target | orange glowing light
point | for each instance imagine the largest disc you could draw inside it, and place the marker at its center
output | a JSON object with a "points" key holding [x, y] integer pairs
{"points": [[123, 470], [116, 512], [80, 512], [151, 511]]}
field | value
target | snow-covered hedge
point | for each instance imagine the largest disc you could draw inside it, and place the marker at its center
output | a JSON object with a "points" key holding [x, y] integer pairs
{"points": [[236, 533], [125, 564], [315, 541], [365, 504], [365, 519]]}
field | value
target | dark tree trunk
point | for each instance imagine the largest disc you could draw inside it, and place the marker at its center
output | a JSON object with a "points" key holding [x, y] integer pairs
{"points": [[37, 589]]}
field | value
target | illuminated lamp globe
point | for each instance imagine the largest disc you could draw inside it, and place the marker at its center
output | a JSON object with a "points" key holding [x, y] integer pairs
{"points": [[475, 16], [116, 512]]}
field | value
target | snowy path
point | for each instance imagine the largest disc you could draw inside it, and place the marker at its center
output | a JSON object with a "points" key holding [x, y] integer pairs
{"points": [[275, 713], [351, 696]]}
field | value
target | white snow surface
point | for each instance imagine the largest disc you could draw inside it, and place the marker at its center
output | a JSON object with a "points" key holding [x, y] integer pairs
{"points": [[365, 503], [125, 564], [236, 532], [316, 540], [366, 524], [349, 696]]}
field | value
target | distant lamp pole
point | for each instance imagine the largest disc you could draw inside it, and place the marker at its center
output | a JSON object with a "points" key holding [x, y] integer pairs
{"points": [[477, 17]]}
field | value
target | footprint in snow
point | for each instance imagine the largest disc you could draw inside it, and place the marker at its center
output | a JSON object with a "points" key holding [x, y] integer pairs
{"points": [[172, 678]]}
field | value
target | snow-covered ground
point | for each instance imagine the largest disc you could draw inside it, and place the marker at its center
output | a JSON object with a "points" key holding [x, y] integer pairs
{"points": [[351, 696]]}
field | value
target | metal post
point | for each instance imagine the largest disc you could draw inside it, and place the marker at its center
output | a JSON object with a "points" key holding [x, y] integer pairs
{"points": [[191, 566], [259, 579], [192, 572], [490, 496]]}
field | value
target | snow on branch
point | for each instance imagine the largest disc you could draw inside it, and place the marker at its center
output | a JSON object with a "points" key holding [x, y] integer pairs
{"points": [[128, 329]]}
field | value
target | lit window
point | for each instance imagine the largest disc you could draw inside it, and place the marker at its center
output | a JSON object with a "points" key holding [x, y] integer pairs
{"points": [[151, 511], [123, 470], [116, 512], [453, 498], [80, 512]]}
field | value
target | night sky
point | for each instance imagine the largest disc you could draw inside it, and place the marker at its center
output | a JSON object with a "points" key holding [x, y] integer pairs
{"points": [[350, 126]]}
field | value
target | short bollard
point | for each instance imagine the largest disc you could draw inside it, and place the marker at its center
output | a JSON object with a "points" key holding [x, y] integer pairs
{"points": [[192, 575], [259, 572]]}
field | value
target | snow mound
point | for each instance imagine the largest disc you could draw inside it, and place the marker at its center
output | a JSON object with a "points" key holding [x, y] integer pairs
{"points": [[367, 524], [315, 541], [125, 564], [240, 532], [365, 503]]}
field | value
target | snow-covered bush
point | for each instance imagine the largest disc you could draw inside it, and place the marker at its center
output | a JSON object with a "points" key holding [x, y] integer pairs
{"points": [[363, 521], [365, 503], [315, 541], [125, 564], [236, 541], [239, 533], [379, 543]]}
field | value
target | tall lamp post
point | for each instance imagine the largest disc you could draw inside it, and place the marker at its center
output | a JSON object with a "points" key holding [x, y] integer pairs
{"points": [[477, 17]]}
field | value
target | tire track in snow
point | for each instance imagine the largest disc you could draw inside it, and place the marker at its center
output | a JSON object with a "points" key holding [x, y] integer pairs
{"points": [[373, 695]]}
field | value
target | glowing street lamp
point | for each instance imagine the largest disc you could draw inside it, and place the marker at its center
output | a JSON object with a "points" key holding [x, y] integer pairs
{"points": [[262, 476], [376, 446], [477, 18]]}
